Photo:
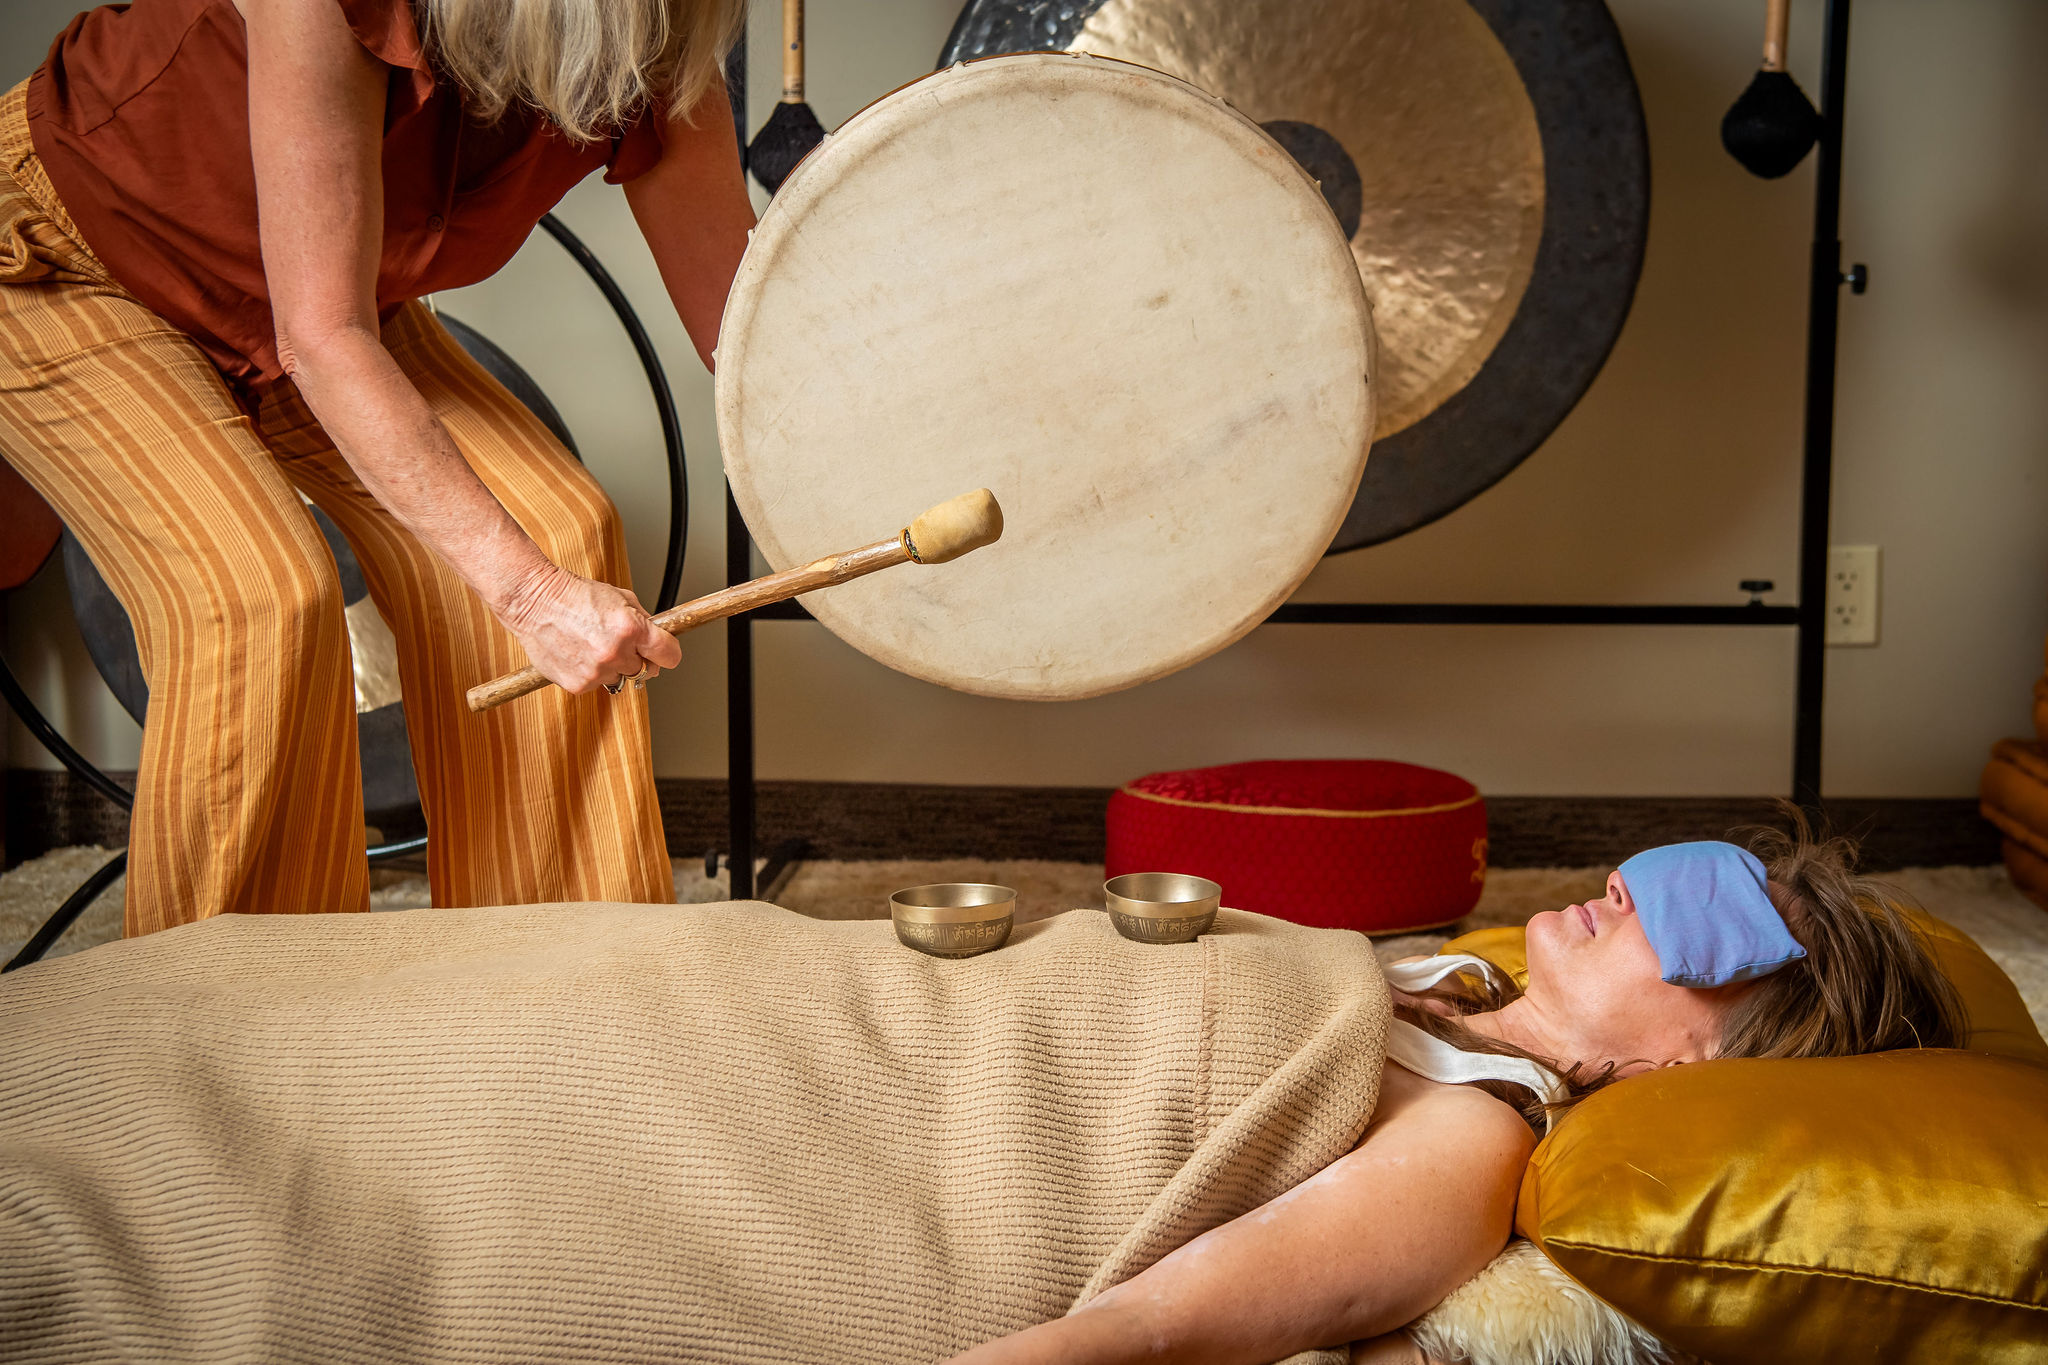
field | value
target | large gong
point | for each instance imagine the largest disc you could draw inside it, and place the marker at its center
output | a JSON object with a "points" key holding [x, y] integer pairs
{"points": [[1487, 160]]}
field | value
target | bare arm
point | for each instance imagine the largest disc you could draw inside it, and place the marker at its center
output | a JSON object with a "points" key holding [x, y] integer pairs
{"points": [[316, 106], [1368, 1245], [694, 212]]}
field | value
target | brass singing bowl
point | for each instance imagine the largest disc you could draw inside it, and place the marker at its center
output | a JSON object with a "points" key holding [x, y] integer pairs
{"points": [[954, 919], [1162, 907]]}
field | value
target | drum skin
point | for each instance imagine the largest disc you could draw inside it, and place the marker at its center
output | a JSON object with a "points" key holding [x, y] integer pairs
{"points": [[1140, 327], [1491, 162]]}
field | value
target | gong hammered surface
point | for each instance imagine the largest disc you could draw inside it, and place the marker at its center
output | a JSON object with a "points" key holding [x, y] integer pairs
{"points": [[1427, 103]]}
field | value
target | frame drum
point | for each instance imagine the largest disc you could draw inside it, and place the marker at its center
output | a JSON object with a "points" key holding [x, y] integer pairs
{"points": [[1141, 326]]}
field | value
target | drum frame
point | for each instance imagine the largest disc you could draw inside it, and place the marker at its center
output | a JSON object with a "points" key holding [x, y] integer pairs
{"points": [[1808, 619]]}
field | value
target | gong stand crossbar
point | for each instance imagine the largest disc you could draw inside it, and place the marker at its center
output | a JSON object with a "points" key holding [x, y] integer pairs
{"points": [[1808, 620]]}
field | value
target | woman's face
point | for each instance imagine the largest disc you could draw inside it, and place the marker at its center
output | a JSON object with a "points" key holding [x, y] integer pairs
{"points": [[1597, 989]]}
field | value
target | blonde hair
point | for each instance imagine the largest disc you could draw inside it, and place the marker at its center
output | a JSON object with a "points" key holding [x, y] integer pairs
{"points": [[591, 66], [1868, 982]]}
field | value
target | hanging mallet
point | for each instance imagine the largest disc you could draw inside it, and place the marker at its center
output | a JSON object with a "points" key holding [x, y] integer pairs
{"points": [[1773, 125], [942, 533], [792, 130]]}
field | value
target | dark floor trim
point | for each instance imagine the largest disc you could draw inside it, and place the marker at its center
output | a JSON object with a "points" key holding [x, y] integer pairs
{"points": [[46, 810], [895, 820], [876, 820], [1572, 831]]}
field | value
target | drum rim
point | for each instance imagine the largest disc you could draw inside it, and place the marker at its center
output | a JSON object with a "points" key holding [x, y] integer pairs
{"points": [[743, 298]]}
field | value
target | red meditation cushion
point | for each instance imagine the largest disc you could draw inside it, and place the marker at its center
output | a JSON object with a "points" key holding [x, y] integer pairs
{"points": [[1338, 843]]}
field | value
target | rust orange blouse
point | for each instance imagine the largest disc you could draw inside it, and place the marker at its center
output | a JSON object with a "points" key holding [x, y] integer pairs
{"points": [[141, 117]]}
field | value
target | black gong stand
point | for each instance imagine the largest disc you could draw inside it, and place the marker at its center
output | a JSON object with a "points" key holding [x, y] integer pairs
{"points": [[1808, 619], [523, 388]]}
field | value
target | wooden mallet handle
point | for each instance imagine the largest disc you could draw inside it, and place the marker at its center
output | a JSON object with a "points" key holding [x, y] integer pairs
{"points": [[792, 51], [1777, 22], [945, 532]]}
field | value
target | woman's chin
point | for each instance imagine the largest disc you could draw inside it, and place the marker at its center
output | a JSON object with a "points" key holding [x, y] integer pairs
{"points": [[1543, 927], [1544, 936]]}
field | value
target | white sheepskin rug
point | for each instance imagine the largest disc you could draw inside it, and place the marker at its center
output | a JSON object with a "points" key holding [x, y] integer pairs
{"points": [[1523, 1310]]}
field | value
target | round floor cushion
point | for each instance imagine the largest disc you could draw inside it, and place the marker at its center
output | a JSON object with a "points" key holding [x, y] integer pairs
{"points": [[1339, 843]]}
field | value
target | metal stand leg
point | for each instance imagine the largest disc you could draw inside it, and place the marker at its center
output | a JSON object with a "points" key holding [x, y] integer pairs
{"points": [[53, 928], [739, 630], [739, 708], [1823, 308]]}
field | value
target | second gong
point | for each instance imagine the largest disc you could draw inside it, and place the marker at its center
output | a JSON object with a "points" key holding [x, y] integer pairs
{"points": [[1141, 326]]}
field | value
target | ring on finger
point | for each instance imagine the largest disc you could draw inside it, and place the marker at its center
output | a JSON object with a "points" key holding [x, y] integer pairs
{"points": [[616, 684]]}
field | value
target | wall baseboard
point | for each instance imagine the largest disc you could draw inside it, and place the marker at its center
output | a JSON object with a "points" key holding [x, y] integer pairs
{"points": [[877, 820], [865, 820], [42, 810]]}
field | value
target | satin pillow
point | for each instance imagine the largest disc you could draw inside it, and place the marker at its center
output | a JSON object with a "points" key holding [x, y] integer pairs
{"points": [[1884, 1208]]}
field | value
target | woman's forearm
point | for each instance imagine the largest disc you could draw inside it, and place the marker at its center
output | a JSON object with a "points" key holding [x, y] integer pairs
{"points": [[316, 113], [694, 212], [405, 458], [1353, 1253]]}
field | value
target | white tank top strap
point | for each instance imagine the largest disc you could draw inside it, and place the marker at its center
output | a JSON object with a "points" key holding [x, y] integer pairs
{"points": [[1437, 1060], [1425, 972]]}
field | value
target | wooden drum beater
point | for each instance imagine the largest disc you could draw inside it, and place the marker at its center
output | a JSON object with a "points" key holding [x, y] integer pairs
{"points": [[942, 533]]}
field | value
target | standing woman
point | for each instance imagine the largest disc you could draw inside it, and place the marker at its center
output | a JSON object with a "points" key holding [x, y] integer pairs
{"points": [[216, 220]]}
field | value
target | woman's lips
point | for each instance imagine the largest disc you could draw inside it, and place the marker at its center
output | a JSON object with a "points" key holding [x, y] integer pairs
{"points": [[1585, 918]]}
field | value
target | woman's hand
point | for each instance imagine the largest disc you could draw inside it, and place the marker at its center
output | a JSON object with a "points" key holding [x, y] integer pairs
{"points": [[584, 634]]}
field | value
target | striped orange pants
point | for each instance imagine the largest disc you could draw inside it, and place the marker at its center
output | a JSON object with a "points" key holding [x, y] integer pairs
{"points": [[249, 796]]}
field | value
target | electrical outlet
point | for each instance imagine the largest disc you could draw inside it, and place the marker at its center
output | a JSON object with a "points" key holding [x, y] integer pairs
{"points": [[1852, 595]]}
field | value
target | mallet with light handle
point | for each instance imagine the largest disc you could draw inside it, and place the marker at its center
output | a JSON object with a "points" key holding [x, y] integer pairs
{"points": [[944, 532]]}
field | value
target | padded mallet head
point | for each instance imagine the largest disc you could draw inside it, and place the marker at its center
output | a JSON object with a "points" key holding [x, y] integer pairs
{"points": [[1772, 126], [955, 527]]}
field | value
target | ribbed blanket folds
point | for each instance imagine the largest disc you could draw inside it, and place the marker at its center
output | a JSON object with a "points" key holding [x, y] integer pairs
{"points": [[629, 1133]]}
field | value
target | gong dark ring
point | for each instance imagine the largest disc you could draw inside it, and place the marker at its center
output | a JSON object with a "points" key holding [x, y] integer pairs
{"points": [[1575, 285]]}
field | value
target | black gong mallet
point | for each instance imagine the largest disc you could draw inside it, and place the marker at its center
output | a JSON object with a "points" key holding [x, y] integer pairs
{"points": [[792, 130], [1773, 125]]}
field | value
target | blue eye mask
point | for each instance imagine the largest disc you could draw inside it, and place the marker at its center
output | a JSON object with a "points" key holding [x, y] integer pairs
{"points": [[1705, 909]]}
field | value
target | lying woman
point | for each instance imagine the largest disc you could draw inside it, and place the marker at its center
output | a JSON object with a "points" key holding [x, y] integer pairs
{"points": [[731, 1133], [1696, 951]]}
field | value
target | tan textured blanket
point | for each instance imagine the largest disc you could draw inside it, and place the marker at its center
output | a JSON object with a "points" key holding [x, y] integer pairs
{"points": [[604, 1132]]}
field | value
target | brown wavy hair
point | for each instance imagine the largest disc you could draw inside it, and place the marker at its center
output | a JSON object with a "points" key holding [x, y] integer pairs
{"points": [[1868, 983]]}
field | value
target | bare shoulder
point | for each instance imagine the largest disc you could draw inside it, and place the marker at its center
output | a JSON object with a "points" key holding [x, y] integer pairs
{"points": [[1468, 1124]]}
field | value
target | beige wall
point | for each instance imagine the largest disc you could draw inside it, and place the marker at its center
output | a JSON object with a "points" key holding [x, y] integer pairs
{"points": [[1676, 477]]}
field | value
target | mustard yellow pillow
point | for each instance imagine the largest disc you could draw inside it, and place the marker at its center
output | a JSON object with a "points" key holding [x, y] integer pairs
{"points": [[1883, 1208]]}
